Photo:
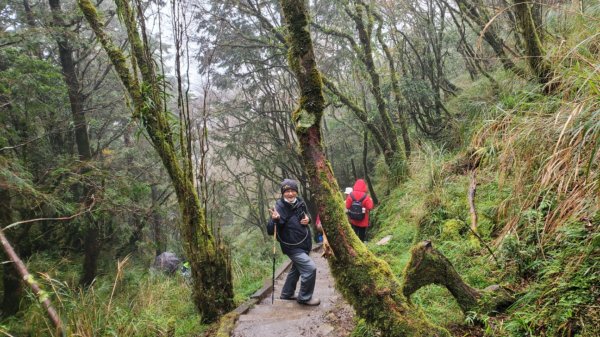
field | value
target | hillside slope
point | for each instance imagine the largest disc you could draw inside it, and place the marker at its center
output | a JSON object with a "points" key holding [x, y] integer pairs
{"points": [[534, 159]]}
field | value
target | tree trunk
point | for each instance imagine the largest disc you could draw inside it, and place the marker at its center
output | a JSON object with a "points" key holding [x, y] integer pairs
{"points": [[396, 90], [349, 154], [427, 266], [13, 288], [477, 14], [472, 61], [212, 289], [471, 197], [159, 240], [532, 36], [366, 169], [364, 36], [378, 297], [76, 100]]}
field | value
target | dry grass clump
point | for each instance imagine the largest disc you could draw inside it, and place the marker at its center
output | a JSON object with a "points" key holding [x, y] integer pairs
{"points": [[552, 157], [547, 147]]}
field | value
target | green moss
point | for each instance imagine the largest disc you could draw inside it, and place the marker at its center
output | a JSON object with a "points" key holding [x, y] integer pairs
{"points": [[227, 324], [451, 229]]}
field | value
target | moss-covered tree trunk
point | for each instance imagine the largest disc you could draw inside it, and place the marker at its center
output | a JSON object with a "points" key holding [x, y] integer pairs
{"points": [[429, 266], [359, 16], [395, 89], [475, 11], [533, 43], [212, 289], [365, 281]]}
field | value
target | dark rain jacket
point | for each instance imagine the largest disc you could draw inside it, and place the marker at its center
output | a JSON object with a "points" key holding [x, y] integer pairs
{"points": [[293, 236]]}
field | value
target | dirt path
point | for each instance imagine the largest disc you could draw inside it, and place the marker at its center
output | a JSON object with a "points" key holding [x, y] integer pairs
{"points": [[333, 318]]}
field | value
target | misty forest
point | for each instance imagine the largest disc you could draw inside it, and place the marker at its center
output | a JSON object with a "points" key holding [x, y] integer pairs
{"points": [[143, 144]]}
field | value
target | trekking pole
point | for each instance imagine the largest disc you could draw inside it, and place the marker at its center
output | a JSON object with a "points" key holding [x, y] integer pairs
{"points": [[274, 240]]}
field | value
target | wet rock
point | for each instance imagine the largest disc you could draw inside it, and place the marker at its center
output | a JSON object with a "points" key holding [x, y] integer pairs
{"points": [[167, 262]]}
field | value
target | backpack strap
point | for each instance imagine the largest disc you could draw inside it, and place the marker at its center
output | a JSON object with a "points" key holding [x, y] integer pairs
{"points": [[361, 199]]}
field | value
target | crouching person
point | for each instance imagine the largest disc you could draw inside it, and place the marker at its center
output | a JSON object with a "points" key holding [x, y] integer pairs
{"points": [[289, 218]]}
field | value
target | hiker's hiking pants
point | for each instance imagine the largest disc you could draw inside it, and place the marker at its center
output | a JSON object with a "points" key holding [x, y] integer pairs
{"points": [[303, 267], [361, 232]]}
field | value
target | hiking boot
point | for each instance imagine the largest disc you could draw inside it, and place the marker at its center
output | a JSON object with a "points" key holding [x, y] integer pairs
{"points": [[312, 302], [288, 298]]}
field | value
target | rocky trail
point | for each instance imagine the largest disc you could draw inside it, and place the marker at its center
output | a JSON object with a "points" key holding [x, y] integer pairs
{"points": [[333, 318]]}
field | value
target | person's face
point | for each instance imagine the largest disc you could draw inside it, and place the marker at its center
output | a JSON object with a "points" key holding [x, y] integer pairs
{"points": [[290, 194]]}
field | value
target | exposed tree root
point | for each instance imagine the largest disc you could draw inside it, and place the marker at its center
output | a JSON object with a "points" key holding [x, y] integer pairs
{"points": [[427, 265]]}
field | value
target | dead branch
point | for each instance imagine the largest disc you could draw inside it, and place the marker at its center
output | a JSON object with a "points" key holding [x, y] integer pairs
{"points": [[42, 296], [472, 191]]}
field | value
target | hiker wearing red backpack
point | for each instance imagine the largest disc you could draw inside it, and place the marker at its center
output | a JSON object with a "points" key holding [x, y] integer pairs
{"points": [[358, 205]]}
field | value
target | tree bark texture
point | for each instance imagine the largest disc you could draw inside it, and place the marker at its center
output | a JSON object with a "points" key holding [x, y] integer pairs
{"points": [[428, 266], [471, 197], [212, 289], [365, 281]]}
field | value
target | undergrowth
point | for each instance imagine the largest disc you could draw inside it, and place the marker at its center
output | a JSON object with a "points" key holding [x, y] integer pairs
{"points": [[134, 301], [562, 296], [535, 160], [131, 299]]}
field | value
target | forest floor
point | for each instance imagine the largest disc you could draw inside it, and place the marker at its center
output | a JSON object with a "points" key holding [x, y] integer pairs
{"points": [[334, 317]]}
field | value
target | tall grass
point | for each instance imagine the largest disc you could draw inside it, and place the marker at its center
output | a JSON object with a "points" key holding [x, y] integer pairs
{"points": [[252, 259], [545, 149], [132, 301], [538, 194], [547, 146], [422, 208]]}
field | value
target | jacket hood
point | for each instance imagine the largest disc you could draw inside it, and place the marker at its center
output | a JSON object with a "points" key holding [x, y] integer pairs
{"points": [[360, 186]]}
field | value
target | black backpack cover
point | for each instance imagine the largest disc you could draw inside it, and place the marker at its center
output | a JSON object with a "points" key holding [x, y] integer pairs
{"points": [[355, 212]]}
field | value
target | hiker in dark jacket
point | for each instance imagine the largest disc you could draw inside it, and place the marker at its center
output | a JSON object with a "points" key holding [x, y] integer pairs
{"points": [[358, 192], [290, 220]]}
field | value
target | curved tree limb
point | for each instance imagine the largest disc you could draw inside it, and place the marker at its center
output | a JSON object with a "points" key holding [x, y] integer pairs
{"points": [[428, 266]]}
